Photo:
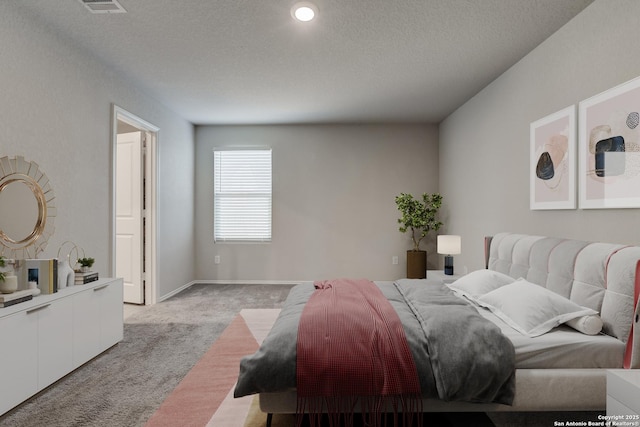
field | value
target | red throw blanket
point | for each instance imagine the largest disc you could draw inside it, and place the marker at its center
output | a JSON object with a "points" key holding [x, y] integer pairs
{"points": [[351, 347]]}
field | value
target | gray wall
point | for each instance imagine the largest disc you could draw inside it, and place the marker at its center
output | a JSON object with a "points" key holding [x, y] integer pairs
{"points": [[484, 145], [334, 213], [334, 186], [56, 111]]}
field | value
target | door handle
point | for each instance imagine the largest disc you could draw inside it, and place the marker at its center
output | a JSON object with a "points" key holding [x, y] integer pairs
{"points": [[33, 310]]}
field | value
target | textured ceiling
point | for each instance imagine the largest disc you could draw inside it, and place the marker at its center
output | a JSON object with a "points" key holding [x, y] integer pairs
{"points": [[248, 62]]}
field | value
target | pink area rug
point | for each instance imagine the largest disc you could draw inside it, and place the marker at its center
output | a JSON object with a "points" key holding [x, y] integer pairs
{"points": [[205, 396]]}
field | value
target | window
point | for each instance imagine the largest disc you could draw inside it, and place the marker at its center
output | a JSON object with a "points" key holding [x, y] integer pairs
{"points": [[242, 195]]}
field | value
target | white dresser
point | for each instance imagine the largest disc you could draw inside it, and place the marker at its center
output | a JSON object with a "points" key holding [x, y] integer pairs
{"points": [[44, 339], [623, 394]]}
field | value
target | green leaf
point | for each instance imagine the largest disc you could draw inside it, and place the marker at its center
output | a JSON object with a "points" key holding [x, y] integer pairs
{"points": [[419, 215]]}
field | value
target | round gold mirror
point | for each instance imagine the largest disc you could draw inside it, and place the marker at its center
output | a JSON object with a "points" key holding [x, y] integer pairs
{"points": [[27, 208]]}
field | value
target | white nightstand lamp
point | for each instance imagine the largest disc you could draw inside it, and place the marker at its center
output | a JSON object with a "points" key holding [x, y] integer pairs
{"points": [[449, 245]]}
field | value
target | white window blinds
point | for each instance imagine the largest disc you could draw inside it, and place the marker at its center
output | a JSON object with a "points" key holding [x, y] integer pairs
{"points": [[242, 195]]}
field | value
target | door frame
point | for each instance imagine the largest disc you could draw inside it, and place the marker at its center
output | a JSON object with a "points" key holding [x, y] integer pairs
{"points": [[151, 194]]}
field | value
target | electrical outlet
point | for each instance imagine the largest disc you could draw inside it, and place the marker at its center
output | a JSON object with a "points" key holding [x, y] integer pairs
{"points": [[394, 260], [216, 259]]}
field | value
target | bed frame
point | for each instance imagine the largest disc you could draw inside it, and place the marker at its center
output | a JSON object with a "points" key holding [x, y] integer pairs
{"points": [[601, 276]]}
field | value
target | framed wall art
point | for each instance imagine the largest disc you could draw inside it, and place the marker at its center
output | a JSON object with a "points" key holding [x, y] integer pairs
{"points": [[552, 172], [609, 148]]}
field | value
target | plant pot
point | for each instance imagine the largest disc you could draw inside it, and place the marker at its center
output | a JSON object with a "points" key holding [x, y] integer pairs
{"points": [[416, 264], [9, 285]]}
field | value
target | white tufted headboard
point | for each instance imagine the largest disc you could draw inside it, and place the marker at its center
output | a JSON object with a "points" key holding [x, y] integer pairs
{"points": [[600, 276]]}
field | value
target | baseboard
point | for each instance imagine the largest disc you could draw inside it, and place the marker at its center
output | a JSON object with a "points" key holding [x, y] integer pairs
{"points": [[176, 291], [250, 282]]}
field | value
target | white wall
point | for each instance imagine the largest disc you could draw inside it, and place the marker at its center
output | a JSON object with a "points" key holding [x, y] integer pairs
{"points": [[56, 111], [484, 145], [334, 213]]}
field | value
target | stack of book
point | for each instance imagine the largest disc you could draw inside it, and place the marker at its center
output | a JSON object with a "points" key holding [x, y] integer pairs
{"points": [[7, 300], [87, 277]]}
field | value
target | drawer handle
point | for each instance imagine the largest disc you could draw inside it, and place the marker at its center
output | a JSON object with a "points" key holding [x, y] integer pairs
{"points": [[99, 288], [42, 307]]}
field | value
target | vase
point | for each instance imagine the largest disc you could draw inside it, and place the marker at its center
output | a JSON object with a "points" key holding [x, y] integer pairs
{"points": [[66, 275], [416, 264], [9, 284]]}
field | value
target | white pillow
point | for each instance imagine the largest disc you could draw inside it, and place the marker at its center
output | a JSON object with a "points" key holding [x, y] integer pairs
{"points": [[479, 282], [531, 309], [588, 325]]}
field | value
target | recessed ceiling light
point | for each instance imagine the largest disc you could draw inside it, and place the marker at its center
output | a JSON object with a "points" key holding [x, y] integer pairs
{"points": [[304, 11]]}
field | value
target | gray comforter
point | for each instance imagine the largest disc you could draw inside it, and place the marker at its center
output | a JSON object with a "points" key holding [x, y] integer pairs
{"points": [[459, 354]]}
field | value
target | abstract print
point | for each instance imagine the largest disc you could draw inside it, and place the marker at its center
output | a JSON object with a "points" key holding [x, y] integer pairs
{"points": [[552, 155], [610, 148]]}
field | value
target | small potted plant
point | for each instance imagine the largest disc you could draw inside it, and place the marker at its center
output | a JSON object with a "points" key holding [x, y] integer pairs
{"points": [[86, 264], [418, 216]]}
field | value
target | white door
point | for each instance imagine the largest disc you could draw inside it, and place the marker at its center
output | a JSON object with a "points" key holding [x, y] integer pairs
{"points": [[129, 215]]}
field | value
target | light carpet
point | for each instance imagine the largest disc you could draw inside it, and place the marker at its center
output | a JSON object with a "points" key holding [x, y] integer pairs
{"points": [[205, 395]]}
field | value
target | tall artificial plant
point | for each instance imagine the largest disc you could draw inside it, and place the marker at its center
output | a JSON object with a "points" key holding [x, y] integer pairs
{"points": [[419, 216]]}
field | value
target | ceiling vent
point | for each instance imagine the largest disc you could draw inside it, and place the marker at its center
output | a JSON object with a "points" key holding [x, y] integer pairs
{"points": [[103, 6]]}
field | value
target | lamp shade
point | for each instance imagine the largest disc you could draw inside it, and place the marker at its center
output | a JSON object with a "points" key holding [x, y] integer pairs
{"points": [[449, 244]]}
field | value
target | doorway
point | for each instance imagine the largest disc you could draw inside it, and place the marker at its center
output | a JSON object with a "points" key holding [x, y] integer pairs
{"points": [[134, 183]]}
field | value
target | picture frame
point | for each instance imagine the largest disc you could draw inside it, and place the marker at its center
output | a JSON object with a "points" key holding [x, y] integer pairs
{"points": [[552, 172], [609, 148]]}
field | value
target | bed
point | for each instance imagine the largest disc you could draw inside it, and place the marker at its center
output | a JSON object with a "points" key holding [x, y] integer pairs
{"points": [[559, 362]]}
